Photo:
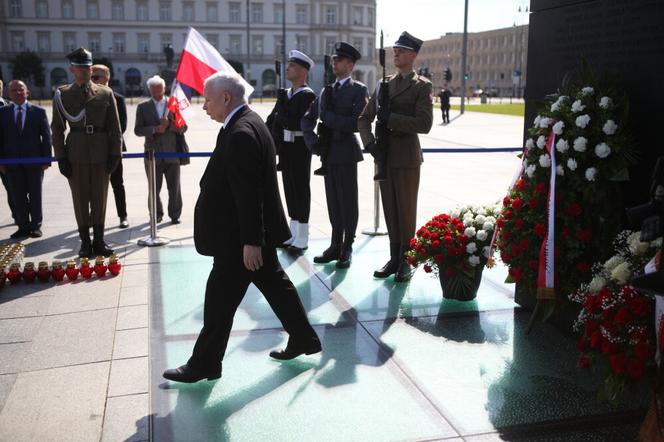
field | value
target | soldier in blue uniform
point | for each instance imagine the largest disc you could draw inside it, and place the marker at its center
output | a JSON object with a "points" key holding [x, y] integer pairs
{"points": [[348, 97]]}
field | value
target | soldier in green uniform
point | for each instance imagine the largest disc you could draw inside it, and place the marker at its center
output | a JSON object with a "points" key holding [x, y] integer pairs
{"points": [[91, 150], [410, 113]]}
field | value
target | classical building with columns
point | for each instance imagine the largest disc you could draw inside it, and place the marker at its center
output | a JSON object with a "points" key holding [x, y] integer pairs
{"points": [[132, 34]]}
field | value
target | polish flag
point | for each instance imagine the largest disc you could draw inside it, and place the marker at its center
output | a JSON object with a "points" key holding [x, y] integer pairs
{"points": [[198, 61]]}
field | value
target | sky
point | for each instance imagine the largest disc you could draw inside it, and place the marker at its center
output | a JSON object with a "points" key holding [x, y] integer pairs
{"points": [[429, 19]]}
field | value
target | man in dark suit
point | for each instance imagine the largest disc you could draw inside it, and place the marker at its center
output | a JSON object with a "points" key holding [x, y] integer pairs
{"points": [[239, 220], [24, 132], [445, 96], [3, 176], [155, 123], [101, 74], [348, 98]]}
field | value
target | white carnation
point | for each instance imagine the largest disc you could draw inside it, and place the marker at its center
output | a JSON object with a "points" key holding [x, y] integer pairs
{"points": [[537, 120], [610, 127], [545, 122], [613, 262], [530, 170], [455, 213], [473, 260], [467, 222], [635, 245], [597, 284], [545, 160], [656, 243], [485, 251], [605, 102], [582, 121], [577, 106], [471, 248], [580, 144], [488, 226], [480, 211], [479, 219], [559, 170], [492, 219], [469, 232], [602, 150], [530, 144], [541, 142], [587, 91], [555, 106], [591, 174], [562, 145], [571, 164], [558, 127], [482, 235], [621, 273]]}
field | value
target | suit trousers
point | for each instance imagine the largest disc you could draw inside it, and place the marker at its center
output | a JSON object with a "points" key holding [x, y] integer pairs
{"points": [[10, 203], [296, 175], [342, 205], [25, 184], [171, 171], [226, 287], [89, 190], [117, 184], [399, 196]]}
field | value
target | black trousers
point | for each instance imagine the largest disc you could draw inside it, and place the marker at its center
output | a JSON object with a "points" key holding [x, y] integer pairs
{"points": [[296, 175], [10, 203], [226, 286], [342, 206], [25, 185], [446, 113], [119, 191], [172, 173]]}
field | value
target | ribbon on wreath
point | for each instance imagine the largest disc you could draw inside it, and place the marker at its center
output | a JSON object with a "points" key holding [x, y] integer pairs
{"points": [[546, 271]]}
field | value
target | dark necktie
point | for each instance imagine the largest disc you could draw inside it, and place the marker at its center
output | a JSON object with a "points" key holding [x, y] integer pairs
{"points": [[337, 85], [19, 119]]}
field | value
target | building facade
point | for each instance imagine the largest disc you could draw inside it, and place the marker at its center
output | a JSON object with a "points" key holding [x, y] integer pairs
{"points": [[496, 61], [132, 34]]}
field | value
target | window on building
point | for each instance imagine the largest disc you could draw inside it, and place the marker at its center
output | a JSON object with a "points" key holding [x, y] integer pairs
{"points": [[143, 43], [165, 40], [44, 41], [358, 15], [18, 41], [278, 45], [257, 12], [235, 44], [302, 43], [257, 45], [187, 11], [94, 41], [331, 15], [278, 12], [213, 39], [15, 8], [117, 10], [329, 45], [41, 8], [370, 17], [371, 48], [119, 42], [301, 14], [234, 12], [164, 11], [211, 12], [67, 9], [69, 41], [92, 9], [357, 42], [142, 10]]}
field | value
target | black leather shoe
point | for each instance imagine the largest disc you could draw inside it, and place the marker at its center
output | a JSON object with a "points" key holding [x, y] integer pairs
{"points": [[175, 221], [36, 233], [294, 350], [404, 273], [189, 375], [297, 251], [160, 218], [330, 254], [345, 258], [20, 233], [390, 268], [124, 223]]}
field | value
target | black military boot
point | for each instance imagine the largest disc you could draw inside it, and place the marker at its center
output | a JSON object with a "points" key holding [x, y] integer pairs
{"points": [[322, 170], [331, 253], [404, 271], [86, 245], [392, 265], [346, 256], [99, 247]]}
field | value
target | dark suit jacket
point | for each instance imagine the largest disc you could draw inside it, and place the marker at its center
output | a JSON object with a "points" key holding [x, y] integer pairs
{"points": [[239, 203], [347, 105], [146, 120], [122, 114], [33, 141]]}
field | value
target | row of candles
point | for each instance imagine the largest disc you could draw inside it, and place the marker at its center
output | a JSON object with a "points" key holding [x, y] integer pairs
{"points": [[12, 255]]}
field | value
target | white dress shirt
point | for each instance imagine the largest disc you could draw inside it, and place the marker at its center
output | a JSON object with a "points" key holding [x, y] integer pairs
{"points": [[233, 112], [160, 106]]}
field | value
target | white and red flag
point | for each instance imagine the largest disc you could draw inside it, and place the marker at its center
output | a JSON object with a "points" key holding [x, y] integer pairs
{"points": [[199, 60]]}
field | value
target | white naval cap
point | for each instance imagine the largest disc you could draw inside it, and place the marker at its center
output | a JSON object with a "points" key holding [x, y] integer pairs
{"points": [[300, 58]]}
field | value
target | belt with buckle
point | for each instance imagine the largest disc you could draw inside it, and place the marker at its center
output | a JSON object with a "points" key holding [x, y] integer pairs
{"points": [[88, 129], [289, 135]]}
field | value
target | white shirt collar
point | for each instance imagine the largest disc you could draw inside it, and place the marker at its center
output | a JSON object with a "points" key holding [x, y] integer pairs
{"points": [[233, 112], [342, 81]]}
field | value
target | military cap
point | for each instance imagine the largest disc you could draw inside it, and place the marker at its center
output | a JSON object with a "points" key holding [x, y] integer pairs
{"points": [[80, 57], [300, 58], [407, 41], [343, 49]]}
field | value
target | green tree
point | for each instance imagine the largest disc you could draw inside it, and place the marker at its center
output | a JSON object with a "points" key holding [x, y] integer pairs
{"points": [[28, 66]]}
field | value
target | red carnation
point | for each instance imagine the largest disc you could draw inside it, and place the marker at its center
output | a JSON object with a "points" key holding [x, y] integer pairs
{"points": [[584, 361], [533, 203], [643, 350], [622, 317], [434, 236], [506, 235], [518, 223], [540, 230], [427, 268], [595, 338], [506, 201], [609, 347], [628, 293], [521, 185], [540, 188], [636, 368], [438, 258], [591, 326], [447, 239], [618, 363], [499, 222], [517, 204], [435, 245], [516, 274], [573, 210], [524, 243], [413, 242], [460, 228], [583, 267], [533, 264], [581, 344], [638, 306], [506, 257], [507, 214], [584, 235]]}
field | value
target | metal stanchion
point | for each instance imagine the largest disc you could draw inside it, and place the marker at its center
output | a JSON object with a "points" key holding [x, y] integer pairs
{"points": [[376, 230], [153, 240]]}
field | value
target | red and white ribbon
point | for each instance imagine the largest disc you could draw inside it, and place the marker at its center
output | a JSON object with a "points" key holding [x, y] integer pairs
{"points": [[545, 276]]}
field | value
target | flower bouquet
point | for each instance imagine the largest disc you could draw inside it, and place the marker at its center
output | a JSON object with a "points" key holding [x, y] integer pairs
{"points": [[455, 247], [616, 324]]}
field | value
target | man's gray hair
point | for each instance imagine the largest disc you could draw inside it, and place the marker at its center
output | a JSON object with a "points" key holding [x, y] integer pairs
{"points": [[156, 80], [226, 81]]}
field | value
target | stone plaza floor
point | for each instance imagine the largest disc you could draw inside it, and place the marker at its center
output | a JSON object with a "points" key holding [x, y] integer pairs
{"points": [[83, 360]]}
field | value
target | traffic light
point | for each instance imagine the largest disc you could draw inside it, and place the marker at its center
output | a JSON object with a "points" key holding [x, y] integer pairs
{"points": [[466, 76], [448, 74]]}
